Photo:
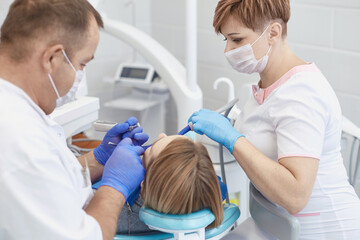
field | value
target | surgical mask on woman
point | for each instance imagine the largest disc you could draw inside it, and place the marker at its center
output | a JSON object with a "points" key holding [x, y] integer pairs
{"points": [[72, 92], [243, 60]]}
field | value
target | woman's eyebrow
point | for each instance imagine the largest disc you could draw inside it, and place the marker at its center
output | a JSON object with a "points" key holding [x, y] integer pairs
{"points": [[231, 34]]}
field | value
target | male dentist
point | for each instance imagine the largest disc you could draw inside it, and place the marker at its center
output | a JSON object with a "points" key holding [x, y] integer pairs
{"points": [[45, 191]]}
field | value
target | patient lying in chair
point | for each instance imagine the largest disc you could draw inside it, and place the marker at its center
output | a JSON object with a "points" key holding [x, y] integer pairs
{"points": [[179, 179]]}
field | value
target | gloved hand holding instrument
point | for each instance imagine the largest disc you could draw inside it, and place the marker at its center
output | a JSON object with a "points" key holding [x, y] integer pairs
{"points": [[218, 128], [207, 123], [115, 133]]}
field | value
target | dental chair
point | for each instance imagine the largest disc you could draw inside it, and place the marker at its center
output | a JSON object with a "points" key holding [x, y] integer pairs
{"points": [[350, 146], [188, 226]]}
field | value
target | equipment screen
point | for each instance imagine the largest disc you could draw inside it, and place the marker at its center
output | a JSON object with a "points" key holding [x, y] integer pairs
{"points": [[131, 72]]}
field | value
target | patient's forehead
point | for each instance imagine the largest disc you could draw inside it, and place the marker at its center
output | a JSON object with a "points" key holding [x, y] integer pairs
{"points": [[162, 142], [158, 146]]}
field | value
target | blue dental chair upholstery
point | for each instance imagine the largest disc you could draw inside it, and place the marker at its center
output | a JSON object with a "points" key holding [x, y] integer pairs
{"points": [[187, 223]]}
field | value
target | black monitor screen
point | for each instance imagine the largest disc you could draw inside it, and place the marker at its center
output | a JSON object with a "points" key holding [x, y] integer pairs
{"points": [[131, 72]]}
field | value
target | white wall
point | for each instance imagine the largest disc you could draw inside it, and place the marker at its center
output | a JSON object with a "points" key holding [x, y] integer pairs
{"points": [[4, 7]]}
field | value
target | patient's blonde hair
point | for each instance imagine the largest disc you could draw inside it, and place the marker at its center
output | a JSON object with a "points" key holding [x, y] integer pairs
{"points": [[181, 180]]}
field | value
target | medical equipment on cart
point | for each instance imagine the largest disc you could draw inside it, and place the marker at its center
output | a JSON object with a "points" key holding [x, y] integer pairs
{"points": [[78, 115], [135, 73]]}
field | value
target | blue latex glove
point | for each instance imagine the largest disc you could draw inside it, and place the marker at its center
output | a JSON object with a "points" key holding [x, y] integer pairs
{"points": [[137, 136], [223, 188], [124, 170], [215, 126], [115, 135], [133, 196]]}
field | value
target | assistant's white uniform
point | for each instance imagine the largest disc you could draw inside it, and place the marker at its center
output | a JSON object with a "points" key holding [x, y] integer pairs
{"points": [[299, 115], [43, 188]]}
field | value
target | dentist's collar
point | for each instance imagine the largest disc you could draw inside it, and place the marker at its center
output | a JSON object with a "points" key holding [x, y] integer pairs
{"points": [[260, 94]]}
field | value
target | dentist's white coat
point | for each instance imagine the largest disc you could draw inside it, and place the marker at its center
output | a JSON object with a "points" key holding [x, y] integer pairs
{"points": [[43, 188]]}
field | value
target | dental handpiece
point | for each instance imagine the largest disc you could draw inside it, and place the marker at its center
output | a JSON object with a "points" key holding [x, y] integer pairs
{"points": [[104, 126], [226, 109]]}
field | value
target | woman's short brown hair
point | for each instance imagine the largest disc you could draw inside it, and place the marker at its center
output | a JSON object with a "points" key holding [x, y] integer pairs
{"points": [[59, 21], [253, 14], [181, 180]]}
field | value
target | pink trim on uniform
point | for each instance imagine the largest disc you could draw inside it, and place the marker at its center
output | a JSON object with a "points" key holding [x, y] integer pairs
{"points": [[299, 155], [261, 94], [306, 215]]}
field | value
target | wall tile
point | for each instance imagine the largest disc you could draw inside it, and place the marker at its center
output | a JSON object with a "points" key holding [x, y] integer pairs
{"points": [[4, 8], [206, 11], [310, 25], [331, 3], [347, 102], [173, 39], [171, 12], [211, 48], [339, 67], [129, 11], [347, 29]]}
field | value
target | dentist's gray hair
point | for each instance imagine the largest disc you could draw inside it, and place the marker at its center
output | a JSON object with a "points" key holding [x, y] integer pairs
{"points": [[55, 21]]}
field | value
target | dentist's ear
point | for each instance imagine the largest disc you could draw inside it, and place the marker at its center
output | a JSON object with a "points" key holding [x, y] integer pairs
{"points": [[52, 57], [275, 33]]}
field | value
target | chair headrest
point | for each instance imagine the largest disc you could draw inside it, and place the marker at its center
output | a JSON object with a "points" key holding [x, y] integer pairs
{"points": [[192, 221]]}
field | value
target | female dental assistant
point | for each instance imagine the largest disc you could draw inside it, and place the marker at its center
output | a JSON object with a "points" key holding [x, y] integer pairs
{"points": [[287, 138]]}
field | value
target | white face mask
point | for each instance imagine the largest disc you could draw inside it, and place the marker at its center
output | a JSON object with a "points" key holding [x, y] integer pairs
{"points": [[243, 60], [70, 96]]}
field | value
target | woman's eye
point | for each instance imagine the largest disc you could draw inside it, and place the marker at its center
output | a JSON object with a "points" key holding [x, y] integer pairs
{"points": [[237, 40]]}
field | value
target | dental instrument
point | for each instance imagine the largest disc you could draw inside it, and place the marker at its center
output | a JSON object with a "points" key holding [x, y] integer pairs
{"points": [[104, 126], [226, 109]]}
